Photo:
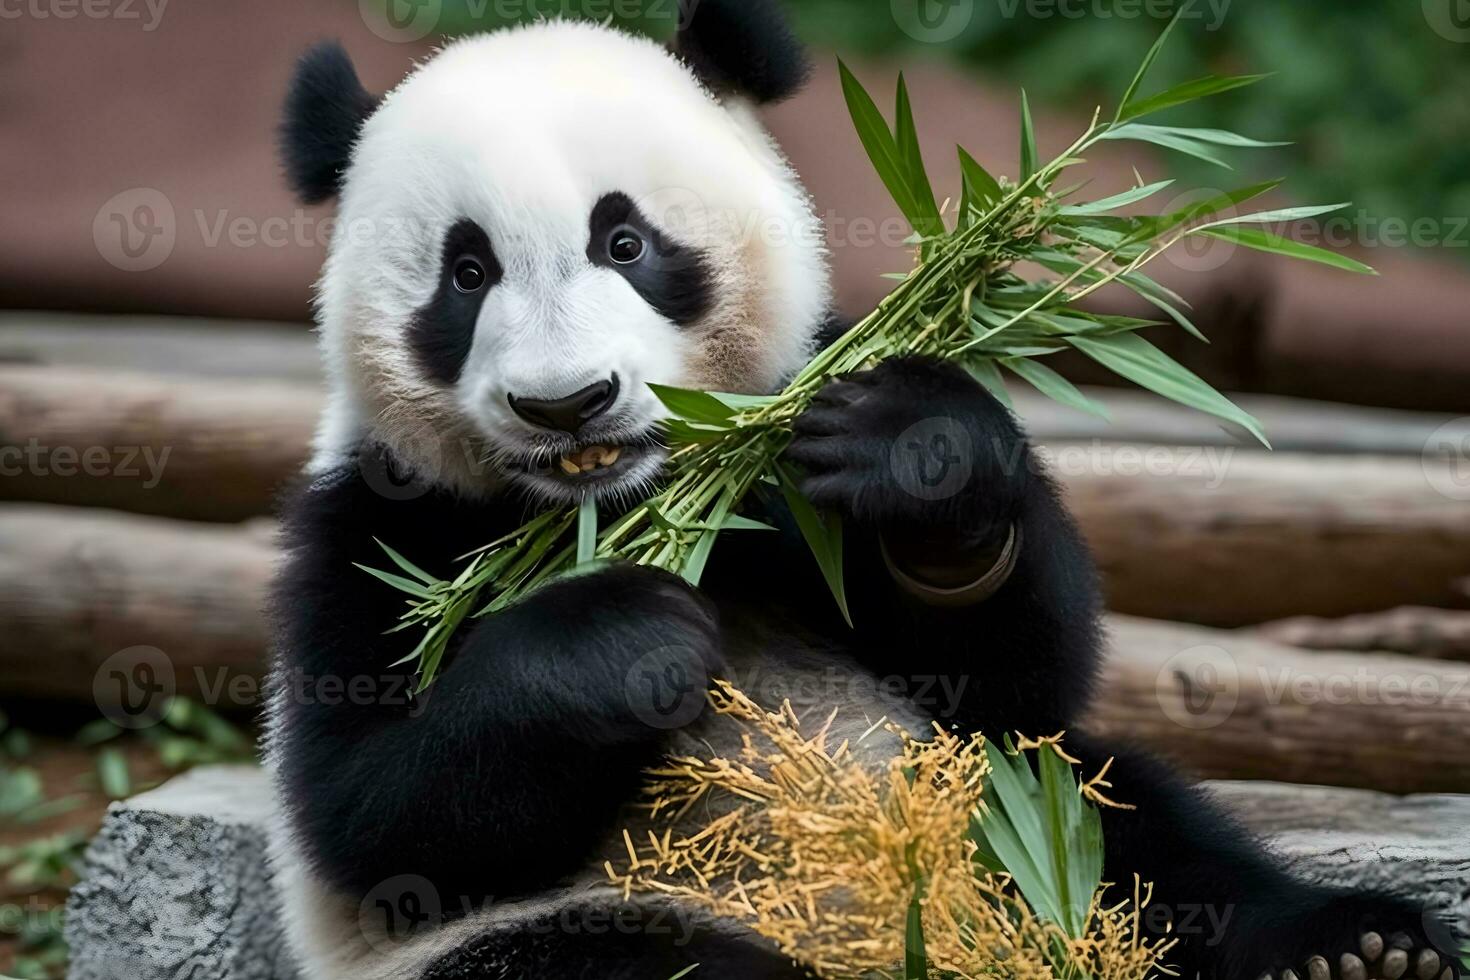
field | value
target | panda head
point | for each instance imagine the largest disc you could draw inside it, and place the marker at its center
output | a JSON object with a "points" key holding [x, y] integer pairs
{"points": [[539, 222]]}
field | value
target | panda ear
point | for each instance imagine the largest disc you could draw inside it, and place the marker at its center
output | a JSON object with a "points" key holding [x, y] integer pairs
{"points": [[741, 46], [326, 107]]}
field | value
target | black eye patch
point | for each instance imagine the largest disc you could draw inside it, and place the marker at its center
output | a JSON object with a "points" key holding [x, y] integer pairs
{"points": [[443, 330], [674, 279]]}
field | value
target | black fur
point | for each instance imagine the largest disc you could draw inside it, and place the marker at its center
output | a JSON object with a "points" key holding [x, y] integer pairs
{"points": [[742, 46], [443, 331], [637, 950], [528, 742], [468, 787], [326, 107], [672, 278]]}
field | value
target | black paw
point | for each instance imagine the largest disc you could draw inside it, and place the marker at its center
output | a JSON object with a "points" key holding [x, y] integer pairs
{"points": [[1348, 937], [911, 443], [635, 648]]}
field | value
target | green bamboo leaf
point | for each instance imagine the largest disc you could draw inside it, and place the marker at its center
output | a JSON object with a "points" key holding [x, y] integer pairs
{"points": [[1054, 386], [1148, 62], [988, 375], [737, 523], [1171, 141], [693, 569], [1116, 201], [915, 958], [1220, 137], [112, 771], [979, 185], [1013, 824], [823, 536], [1076, 840], [681, 432], [1265, 241], [693, 406], [407, 565], [1187, 92], [1142, 363], [1165, 299], [398, 582], [743, 403], [906, 135], [1154, 227], [873, 131], [1280, 215], [587, 529], [1028, 140]]}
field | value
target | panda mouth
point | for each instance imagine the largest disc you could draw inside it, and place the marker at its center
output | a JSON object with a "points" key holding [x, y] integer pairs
{"points": [[601, 465]]}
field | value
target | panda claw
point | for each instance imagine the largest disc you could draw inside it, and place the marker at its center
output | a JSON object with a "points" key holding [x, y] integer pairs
{"points": [[1371, 944], [1317, 969], [1395, 963], [1352, 968], [1401, 940], [1289, 975], [1428, 966], [1448, 974]]}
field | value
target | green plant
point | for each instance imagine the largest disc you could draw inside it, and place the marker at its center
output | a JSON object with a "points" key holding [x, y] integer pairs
{"points": [[962, 301]]}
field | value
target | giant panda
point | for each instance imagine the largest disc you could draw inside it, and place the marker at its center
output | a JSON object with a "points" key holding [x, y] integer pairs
{"points": [[532, 227]]}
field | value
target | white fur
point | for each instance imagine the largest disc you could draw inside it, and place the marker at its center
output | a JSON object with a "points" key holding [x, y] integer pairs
{"points": [[523, 130]]}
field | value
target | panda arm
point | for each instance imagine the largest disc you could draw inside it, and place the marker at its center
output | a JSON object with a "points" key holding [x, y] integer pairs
{"points": [[509, 770], [966, 576]]}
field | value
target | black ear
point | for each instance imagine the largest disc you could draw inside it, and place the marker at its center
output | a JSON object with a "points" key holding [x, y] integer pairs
{"points": [[742, 46], [325, 109]]}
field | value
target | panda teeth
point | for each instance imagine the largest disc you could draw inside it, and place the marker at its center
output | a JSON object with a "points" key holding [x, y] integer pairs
{"points": [[589, 459]]}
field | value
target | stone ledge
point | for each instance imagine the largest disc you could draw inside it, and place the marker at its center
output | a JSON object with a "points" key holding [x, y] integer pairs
{"points": [[175, 885]]}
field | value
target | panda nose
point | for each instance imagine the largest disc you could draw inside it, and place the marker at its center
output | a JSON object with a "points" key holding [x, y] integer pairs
{"points": [[568, 414]]}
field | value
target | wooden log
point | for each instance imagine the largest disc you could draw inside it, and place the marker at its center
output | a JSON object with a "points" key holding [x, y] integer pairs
{"points": [[1229, 705], [1412, 630], [1293, 424], [1231, 538], [208, 450], [187, 346], [80, 586], [77, 586]]}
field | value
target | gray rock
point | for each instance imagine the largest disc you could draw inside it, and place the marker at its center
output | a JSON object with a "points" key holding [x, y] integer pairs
{"points": [[176, 886]]}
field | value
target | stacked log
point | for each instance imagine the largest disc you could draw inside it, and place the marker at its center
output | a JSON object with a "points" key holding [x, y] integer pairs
{"points": [[1211, 534]]}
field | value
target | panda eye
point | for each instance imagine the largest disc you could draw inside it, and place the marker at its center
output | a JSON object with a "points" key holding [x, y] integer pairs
{"points": [[625, 245], [469, 275]]}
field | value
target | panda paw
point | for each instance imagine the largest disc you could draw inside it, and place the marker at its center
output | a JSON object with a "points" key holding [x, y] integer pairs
{"points": [[912, 443], [1351, 938]]}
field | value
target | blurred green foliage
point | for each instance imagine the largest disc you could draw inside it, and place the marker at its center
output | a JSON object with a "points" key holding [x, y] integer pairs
{"points": [[1373, 96]]}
